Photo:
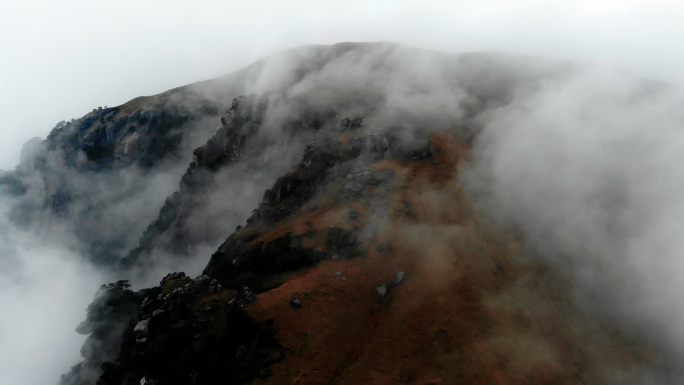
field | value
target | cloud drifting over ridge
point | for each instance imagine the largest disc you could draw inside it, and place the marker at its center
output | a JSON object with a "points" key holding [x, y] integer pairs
{"points": [[64, 59], [589, 169]]}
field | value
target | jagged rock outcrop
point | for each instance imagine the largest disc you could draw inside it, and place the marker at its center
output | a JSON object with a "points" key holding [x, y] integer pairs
{"points": [[240, 139], [243, 258], [240, 122], [192, 331], [112, 311], [86, 168]]}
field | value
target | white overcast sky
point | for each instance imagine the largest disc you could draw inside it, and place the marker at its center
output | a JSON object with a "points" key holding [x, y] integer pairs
{"points": [[60, 59]]}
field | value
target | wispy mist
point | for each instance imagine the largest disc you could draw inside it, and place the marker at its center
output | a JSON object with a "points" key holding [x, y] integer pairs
{"points": [[65, 58], [588, 169], [58, 241], [44, 288]]}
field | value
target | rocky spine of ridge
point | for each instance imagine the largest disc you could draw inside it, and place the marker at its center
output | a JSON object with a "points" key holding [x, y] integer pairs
{"points": [[238, 140], [240, 122], [245, 260], [111, 312]]}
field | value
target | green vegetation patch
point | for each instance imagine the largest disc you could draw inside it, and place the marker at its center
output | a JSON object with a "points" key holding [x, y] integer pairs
{"points": [[171, 284]]}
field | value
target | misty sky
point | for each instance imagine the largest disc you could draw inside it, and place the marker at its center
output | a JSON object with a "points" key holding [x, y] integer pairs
{"points": [[59, 60]]}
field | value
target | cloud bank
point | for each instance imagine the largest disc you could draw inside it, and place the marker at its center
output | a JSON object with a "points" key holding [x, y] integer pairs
{"points": [[588, 169]]}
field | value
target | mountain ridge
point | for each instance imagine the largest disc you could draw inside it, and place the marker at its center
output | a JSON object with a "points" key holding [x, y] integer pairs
{"points": [[350, 157]]}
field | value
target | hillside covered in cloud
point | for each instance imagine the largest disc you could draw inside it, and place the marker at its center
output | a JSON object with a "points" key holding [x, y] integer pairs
{"points": [[355, 213]]}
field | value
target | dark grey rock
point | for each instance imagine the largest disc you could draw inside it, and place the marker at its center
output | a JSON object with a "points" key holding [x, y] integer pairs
{"points": [[296, 303], [142, 326], [399, 278], [381, 290]]}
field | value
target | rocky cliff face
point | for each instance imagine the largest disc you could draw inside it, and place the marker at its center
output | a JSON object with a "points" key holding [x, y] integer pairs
{"points": [[243, 143], [336, 240], [80, 176]]}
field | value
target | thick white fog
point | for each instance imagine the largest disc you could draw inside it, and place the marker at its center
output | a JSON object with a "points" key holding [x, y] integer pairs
{"points": [[589, 168], [44, 290]]}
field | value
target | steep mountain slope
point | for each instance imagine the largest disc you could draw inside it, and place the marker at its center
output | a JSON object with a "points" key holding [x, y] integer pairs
{"points": [[368, 264], [327, 211]]}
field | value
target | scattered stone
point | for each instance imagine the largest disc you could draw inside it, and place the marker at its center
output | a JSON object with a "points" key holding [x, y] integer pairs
{"points": [[248, 295], [142, 326], [296, 303], [382, 290], [338, 273], [141, 340], [305, 295], [157, 312], [399, 278]]}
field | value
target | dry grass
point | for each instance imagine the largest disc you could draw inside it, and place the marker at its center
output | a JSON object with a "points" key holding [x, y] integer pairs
{"points": [[473, 309]]}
